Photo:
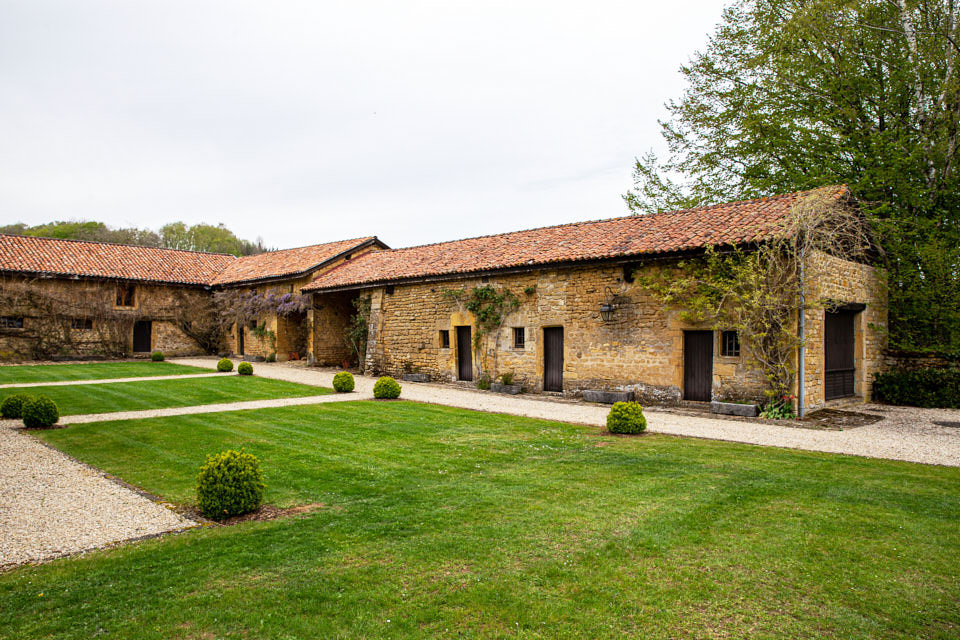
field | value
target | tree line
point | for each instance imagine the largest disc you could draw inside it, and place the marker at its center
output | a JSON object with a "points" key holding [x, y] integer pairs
{"points": [[175, 235], [790, 95]]}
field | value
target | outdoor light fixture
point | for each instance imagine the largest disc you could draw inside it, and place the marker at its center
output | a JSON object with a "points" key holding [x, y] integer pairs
{"points": [[608, 307]]}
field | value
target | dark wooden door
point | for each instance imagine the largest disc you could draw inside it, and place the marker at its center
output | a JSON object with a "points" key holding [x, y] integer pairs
{"points": [[553, 359], [838, 351], [141, 335], [240, 332], [697, 365], [464, 354]]}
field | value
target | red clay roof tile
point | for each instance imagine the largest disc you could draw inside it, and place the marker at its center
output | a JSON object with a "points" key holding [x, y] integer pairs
{"points": [[52, 256], [725, 224], [286, 262]]}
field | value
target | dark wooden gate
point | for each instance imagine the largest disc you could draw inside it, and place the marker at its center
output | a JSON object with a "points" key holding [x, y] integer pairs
{"points": [[464, 354], [697, 365], [141, 335], [553, 359], [838, 350]]}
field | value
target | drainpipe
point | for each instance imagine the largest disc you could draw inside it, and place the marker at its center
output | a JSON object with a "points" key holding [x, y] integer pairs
{"points": [[801, 352]]}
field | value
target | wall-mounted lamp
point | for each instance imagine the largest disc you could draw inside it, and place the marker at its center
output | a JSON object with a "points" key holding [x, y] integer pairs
{"points": [[608, 307]]}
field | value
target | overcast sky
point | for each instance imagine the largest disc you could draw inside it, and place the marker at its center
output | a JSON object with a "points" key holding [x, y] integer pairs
{"points": [[305, 122]]}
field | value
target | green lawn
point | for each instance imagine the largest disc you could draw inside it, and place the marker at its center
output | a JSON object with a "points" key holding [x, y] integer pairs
{"points": [[157, 394], [447, 523], [97, 371]]}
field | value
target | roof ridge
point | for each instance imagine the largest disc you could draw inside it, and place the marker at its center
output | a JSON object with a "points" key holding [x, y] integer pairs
{"points": [[310, 246], [117, 244], [637, 216]]}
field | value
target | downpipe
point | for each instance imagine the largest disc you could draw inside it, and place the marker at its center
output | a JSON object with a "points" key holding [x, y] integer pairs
{"points": [[802, 350]]}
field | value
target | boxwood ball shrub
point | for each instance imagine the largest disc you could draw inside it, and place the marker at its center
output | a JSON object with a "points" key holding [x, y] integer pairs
{"points": [[230, 484], [626, 417], [12, 406], [245, 369], [225, 364], [386, 388], [343, 382], [40, 411], [157, 356]]}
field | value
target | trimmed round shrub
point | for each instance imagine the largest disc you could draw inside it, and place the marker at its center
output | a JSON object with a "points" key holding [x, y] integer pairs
{"points": [[626, 417], [12, 406], [157, 356], [245, 369], [343, 382], [386, 388], [225, 364], [40, 411], [230, 484]]}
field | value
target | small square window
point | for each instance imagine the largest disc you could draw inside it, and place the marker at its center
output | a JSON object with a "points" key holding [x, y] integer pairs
{"points": [[519, 337], [11, 322], [730, 344], [444, 339], [125, 295], [81, 324]]}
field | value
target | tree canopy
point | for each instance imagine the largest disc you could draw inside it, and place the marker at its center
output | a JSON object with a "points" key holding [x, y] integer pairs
{"points": [[797, 94], [176, 235]]}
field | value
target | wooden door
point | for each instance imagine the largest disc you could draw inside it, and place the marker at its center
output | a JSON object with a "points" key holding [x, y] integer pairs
{"points": [[838, 352], [553, 359], [464, 354], [698, 365], [141, 335], [240, 332]]}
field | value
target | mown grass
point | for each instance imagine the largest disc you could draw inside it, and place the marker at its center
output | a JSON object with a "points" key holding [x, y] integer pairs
{"points": [[18, 374], [158, 394], [441, 522]]}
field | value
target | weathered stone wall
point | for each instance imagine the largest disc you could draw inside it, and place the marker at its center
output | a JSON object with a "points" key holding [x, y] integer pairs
{"points": [[331, 316], [77, 298], [830, 281], [640, 349]]}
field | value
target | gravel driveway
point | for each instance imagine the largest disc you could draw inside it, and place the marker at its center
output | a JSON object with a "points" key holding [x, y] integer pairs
{"points": [[905, 433], [51, 505]]}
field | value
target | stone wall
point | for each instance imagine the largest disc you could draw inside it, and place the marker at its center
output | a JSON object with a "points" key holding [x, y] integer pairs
{"points": [[830, 281], [640, 349], [93, 302]]}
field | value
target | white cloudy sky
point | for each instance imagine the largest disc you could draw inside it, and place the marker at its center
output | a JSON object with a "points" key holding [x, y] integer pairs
{"points": [[303, 122]]}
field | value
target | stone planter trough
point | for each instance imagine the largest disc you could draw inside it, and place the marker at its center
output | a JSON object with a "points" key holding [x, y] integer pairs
{"points": [[734, 409], [415, 377], [607, 397], [512, 389]]}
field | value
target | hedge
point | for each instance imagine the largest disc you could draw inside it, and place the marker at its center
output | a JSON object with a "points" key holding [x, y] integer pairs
{"points": [[932, 387]]}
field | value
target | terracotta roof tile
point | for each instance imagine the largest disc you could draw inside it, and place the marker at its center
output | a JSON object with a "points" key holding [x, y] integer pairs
{"points": [[285, 262], [724, 224], [52, 256]]}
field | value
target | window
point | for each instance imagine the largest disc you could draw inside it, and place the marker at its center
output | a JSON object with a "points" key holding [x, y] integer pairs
{"points": [[729, 344], [125, 295], [519, 337], [388, 289], [81, 324], [11, 322], [444, 339]]}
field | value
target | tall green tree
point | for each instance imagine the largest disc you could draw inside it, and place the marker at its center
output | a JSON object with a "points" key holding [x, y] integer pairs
{"points": [[796, 94]]}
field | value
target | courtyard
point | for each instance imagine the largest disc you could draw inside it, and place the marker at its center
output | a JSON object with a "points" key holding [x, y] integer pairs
{"points": [[429, 517]]}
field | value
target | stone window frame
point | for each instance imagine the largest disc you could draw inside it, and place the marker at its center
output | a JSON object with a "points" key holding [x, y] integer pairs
{"points": [[11, 322], [730, 344], [126, 295], [81, 324], [444, 338], [521, 333]]}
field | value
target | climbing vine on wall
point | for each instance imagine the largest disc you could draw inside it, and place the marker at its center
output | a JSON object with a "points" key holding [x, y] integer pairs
{"points": [[490, 308], [357, 331]]}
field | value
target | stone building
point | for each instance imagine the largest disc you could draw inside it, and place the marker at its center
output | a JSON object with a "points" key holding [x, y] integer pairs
{"points": [[581, 320], [578, 317]]}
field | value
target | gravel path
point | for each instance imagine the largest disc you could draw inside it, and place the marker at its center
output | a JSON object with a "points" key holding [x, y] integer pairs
{"points": [[905, 433], [70, 383], [51, 505]]}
